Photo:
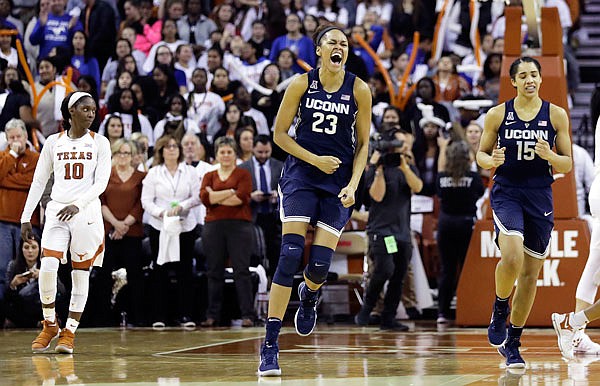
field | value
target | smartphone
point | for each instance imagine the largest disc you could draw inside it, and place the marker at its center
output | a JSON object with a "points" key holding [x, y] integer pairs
{"points": [[26, 273]]}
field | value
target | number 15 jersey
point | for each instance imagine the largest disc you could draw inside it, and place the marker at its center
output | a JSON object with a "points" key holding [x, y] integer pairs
{"points": [[325, 126], [522, 167]]}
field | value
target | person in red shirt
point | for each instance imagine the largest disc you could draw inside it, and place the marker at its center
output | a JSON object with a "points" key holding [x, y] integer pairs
{"points": [[227, 231]]}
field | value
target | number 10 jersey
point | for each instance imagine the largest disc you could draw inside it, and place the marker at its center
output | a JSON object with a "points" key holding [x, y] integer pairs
{"points": [[325, 126]]}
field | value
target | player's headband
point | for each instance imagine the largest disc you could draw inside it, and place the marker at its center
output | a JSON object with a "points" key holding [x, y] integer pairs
{"points": [[76, 97], [320, 35]]}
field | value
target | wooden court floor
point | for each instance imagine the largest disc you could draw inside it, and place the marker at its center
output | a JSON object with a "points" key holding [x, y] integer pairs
{"points": [[334, 355]]}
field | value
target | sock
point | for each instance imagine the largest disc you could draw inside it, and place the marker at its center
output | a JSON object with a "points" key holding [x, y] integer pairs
{"points": [[273, 327], [49, 314], [72, 325], [514, 331], [501, 300], [579, 319]]}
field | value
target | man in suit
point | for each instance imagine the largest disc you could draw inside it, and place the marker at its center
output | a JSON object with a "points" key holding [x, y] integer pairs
{"points": [[265, 173]]}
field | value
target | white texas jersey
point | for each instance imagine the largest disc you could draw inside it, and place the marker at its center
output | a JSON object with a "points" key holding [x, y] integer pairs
{"points": [[81, 170]]}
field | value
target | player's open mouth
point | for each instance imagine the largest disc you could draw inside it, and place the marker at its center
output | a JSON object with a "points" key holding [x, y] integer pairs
{"points": [[336, 58]]}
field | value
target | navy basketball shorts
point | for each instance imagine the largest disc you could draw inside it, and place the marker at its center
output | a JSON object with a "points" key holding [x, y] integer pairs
{"points": [[305, 203], [527, 213]]}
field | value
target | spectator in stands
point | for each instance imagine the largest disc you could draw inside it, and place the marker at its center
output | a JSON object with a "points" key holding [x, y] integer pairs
{"points": [[177, 113], [124, 80], [390, 184], [230, 122], [268, 104], [489, 84], [426, 150], [114, 129], [242, 98], [205, 107], [47, 113], [286, 60], [145, 34], [227, 232], [169, 191], [22, 292], [54, 28], [125, 64], [98, 19], [140, 161], [193, 150], [33, 50], [426, 94], [330, 11], [244, 139], [124, 103], [164, 77], [194, 27], [250, 65], [146, 93], [7, 52], [310, 24], [399, 64], [449, 85], [185, 62], [17, 103], [403, 22], [265, 172], [165, 57], [300, 44], [17, 165], [170, 39], [382, 8], [260, 39], [122, 212], [82, 59], [458, 188], [245, 14], [123, 48]]}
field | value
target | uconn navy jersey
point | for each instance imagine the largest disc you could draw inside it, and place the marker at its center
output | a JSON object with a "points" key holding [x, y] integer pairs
{"points": [[522, 167], [325, 126]]}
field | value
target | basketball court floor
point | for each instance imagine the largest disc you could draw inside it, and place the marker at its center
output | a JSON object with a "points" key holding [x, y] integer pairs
{"points": [[334, 355]]}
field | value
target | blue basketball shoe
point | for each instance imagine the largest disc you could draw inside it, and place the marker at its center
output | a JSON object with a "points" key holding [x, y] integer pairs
{"points": [[269, 361], [510, 351], [306, 316], [497, 328]]}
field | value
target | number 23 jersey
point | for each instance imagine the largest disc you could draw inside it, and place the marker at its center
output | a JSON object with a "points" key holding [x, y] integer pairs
{"points": [[325, 126], [522, 167]]}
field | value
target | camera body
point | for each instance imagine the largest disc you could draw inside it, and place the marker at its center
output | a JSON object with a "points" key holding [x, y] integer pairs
{"points": [[385, 143]]}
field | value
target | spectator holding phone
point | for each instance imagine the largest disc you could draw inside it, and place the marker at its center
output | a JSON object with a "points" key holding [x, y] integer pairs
{"points": [[22, 293]]}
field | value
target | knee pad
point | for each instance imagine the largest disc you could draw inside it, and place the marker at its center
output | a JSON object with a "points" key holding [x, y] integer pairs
{"points": [[79, 292], [47, 279], [292, 249], [318, 266]]}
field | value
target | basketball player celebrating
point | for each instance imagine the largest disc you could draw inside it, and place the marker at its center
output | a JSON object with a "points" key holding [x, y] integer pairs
{"points": [[517, 139], [81, 163], [319, 179]]}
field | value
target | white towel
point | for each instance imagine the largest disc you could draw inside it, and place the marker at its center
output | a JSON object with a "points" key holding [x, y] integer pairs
{"points": [[168, 241]]}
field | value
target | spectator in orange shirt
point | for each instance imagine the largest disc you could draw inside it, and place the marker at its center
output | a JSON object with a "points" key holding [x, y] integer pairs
{"points": [[17, 164]]}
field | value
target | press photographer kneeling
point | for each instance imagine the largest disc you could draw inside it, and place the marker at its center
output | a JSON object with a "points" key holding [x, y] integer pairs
{"points": [[390, 181]]}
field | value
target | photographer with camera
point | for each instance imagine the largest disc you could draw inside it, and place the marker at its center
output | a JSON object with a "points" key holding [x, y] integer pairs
{"points": [[390, 183]]}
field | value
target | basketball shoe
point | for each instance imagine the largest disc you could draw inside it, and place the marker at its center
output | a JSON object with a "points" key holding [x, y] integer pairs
{"points": [[269, 361], [586, 346], [306, 316], [568, 332], [66, 342], [49, 332], [510, 351], [497, 327]]}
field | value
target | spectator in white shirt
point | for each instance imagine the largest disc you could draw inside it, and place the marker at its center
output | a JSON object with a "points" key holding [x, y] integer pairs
{"points": [[204, 107], [242, 98]]}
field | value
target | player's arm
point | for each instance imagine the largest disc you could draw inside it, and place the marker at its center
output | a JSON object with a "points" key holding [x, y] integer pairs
{"points": [[489, 156], [42, 173], [362, 95], [101, 175], [561, 161], [285, 116]]}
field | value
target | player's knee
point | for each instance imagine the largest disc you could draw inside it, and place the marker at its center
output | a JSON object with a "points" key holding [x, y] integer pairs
{"points": [[318, 267], [49, 264], [292, 249], [79, 292], [47, 279]]}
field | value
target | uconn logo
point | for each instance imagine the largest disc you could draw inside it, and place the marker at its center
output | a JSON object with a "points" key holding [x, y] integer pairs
{"points": [[334, 107]]}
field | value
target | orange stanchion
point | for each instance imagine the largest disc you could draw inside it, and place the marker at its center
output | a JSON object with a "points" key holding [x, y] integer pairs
{"points": [[380, 66], [476, 39], [65, 82], [438, 25], [305, 66], [411, 63]]}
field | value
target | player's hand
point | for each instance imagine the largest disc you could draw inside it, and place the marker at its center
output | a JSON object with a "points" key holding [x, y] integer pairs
{"points": [[498, 156], [26, 232], [542, 149], [67, 213], [328, 164], [347, 196]]}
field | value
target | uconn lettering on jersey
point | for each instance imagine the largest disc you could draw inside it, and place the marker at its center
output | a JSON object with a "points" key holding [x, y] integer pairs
{"points": [[518, 133], [327, 106], [74, 155]]}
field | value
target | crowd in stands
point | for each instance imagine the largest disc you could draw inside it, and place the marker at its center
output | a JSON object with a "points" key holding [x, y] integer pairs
{"points": [[188, 92]]}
